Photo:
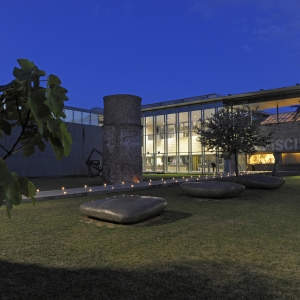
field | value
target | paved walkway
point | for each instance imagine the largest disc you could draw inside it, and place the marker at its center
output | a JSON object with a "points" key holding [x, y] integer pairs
{"points": [[116, 188]]}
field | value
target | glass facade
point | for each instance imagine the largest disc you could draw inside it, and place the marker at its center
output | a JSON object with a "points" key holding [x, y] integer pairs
{"points": [[170, 142], [85, 117]]}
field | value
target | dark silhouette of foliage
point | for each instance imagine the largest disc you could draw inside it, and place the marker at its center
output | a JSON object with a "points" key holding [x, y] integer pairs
{"points": [[37, 112]]}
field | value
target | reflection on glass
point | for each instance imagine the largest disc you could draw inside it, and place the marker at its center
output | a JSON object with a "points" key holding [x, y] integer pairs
{"points": [[149, 125], [69, 115], [183, 163], [210, 163], [159, 132], [208, 113], [94, 119], [77, 116], [159, 162], [149, 162], [170, 130], [196, 116], [172, 162], [86, 118], [197, 163]]}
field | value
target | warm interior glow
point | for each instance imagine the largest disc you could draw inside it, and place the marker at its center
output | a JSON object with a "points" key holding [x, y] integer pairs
{"points": [[290, 158], [264, 158]]}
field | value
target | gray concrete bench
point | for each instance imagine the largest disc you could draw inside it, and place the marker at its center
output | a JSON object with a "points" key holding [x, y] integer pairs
{"points": [[212, 189]]}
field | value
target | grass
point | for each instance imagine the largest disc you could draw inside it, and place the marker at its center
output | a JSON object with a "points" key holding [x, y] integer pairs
{"points": [[240, 248]]}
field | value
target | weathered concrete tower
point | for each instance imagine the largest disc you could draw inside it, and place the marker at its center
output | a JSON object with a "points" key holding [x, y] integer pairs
{"points": [[122, 154]]}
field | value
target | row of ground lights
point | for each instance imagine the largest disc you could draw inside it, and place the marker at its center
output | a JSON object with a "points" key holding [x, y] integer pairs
{"points": [[199, 176]]}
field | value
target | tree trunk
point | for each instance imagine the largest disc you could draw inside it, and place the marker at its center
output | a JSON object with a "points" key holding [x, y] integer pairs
{"points": [[236, 164], [277, 157]]}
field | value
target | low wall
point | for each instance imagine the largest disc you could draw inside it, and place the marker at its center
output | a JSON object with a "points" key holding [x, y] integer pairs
{"points": [[44, 164]]}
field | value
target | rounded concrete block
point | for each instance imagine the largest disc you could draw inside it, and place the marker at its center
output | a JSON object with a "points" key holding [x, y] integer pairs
{"points": [[212, 189], [256, 181], [124, 209]]}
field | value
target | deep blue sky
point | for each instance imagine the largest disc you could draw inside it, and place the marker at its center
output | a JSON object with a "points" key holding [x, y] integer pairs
{"points": [[157, 49]]}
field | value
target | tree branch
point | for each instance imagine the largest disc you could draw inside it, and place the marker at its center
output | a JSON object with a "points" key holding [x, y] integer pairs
{"points": [[20, 117], [4, 148], [23, 146], [11, 151]]}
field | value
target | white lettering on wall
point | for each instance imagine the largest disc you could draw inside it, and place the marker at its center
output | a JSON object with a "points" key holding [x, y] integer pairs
{"points": [[288, 144], [278, 145], [281, 145]]}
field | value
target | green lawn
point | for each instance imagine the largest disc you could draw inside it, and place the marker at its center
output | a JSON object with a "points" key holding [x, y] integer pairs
{"points": [[241, 248]]}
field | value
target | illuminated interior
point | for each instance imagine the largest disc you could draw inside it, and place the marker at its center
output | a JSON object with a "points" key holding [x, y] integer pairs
{"points": [[290, 158], [265, 158]]}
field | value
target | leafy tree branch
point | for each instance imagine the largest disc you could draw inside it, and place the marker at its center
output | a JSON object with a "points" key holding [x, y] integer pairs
{"points": [[38, 111]]}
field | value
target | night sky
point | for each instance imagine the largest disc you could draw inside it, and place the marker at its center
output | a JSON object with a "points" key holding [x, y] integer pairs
{"points": [[157, 49]]}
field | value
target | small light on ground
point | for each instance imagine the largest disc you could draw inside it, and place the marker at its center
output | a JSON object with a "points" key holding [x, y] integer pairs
{"points": [[90, 190], [104, 184], [37, 190], [85, 186], [65, 192], [112, 187], [62, 188]]}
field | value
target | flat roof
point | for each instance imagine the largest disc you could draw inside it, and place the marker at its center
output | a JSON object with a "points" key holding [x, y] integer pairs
{"points": [[285, 96]]}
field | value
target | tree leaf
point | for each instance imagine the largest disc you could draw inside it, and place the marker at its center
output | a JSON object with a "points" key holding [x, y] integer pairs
{"points": [[27, 188], [2, 195], [5, 175], [57, 147], [35, 141], [53, 125], [5, 126], [25, 64], [55, 99], [31, 191], [53, 79], [39, 72], [26, 70], [36, 104], [24, 185], [26, 136], [13, 192], [66, 138]]}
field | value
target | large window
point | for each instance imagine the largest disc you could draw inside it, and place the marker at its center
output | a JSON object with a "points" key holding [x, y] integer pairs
{"points": [[170, 140]]}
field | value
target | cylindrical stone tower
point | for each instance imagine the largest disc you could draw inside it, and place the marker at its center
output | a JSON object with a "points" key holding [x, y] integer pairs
{"points": [[122, 154]]}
